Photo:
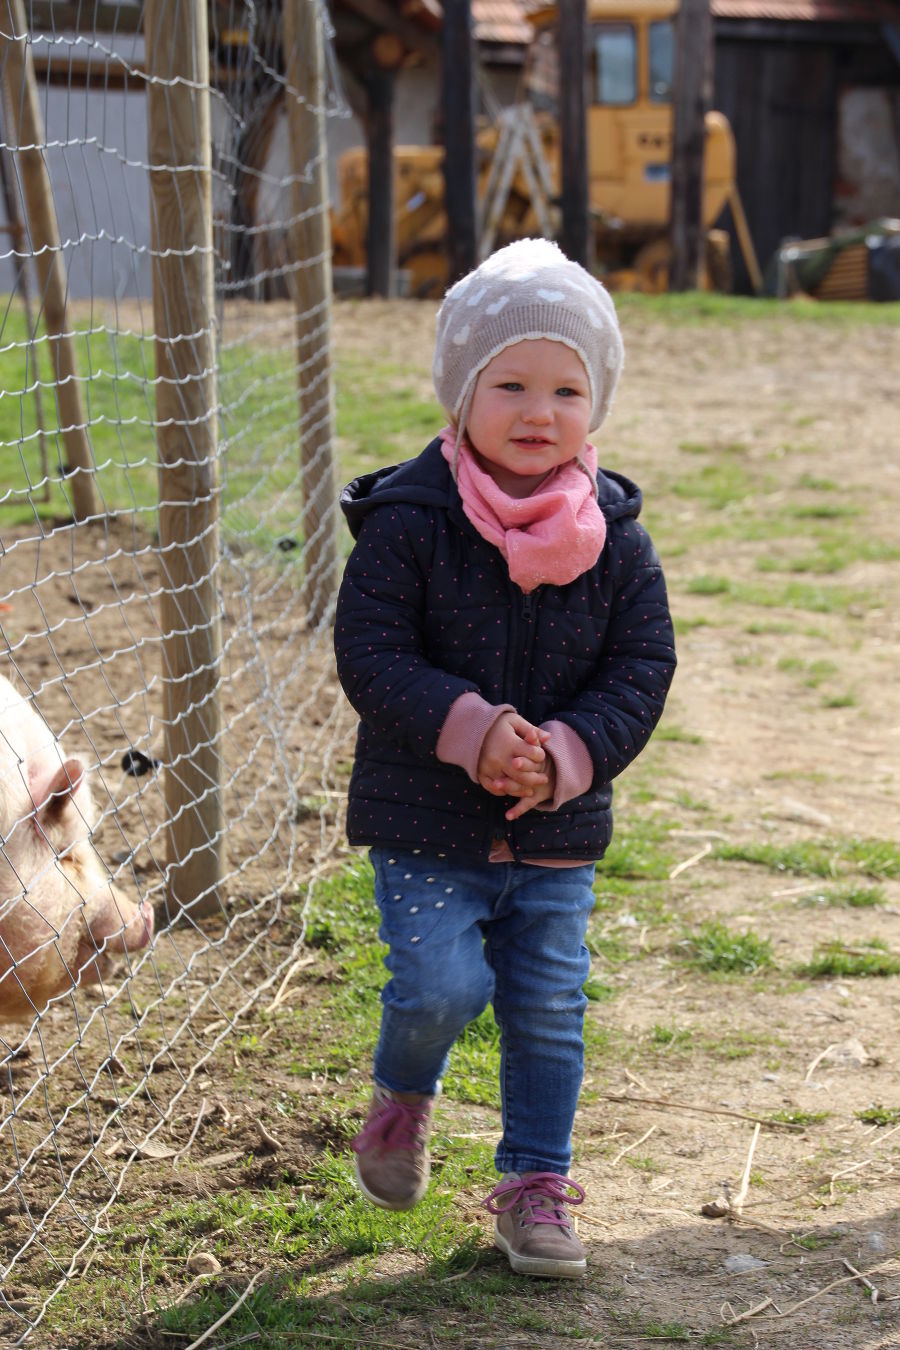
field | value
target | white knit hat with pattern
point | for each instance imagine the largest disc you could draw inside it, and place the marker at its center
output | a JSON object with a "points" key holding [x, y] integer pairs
{"points": [[529, 289]]}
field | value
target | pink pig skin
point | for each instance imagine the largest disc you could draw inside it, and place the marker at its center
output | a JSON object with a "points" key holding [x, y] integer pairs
{"points": [[61, 919]]}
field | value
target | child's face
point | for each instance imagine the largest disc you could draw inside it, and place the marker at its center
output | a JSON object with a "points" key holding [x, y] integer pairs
{"points": [[530, 412]]}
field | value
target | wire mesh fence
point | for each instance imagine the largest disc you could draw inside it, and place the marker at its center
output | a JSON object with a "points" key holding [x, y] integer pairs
{"points": [[170, 730]]}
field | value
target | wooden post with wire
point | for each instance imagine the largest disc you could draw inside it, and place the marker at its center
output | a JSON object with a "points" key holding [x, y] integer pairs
{"points": [[16, 230], [20, 88], [310, 274], [181, 238]]}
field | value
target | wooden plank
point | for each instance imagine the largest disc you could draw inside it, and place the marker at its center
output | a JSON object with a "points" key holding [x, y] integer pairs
{"points": [[781, 102], [186, 407]]}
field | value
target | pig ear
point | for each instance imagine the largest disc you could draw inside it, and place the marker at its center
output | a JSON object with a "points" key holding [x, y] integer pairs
{"points": [[50, 795]]}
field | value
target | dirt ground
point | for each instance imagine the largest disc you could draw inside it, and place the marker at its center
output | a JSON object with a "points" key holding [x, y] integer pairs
{"points": [[786, 721]]}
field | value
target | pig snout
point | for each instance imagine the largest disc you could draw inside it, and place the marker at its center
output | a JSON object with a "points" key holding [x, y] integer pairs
{"points": [[116, 922], [139, 932], [114, 926]]}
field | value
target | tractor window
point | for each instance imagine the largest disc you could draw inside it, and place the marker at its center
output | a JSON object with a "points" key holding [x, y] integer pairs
{"points": [[615, 47], [662, 53]]}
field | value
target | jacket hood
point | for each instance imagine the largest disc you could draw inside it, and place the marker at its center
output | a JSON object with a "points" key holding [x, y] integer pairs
{"points": [[427, 481]]}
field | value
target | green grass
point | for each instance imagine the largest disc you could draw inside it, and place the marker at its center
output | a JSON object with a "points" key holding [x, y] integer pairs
{"points": [[812, 1242], [381, 417], [717, 485], [833, 553], [684, 625], [714, 948], [812, 673], [598, 992], [670, 731], [877, 858], [700, 307], [833, 960], [847, 897], [671, 1037], [794, 1116], [639, 852], [789, 595], [878, 1115]]}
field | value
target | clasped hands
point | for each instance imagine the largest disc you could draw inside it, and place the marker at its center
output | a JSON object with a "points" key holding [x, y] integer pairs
{"points": [[513, 763]]}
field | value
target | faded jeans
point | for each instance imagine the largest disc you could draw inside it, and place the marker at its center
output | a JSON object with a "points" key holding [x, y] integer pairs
{"points": [[462, 936]]}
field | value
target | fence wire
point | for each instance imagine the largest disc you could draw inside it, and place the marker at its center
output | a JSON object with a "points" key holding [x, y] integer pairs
{"points": [[112, 999]]}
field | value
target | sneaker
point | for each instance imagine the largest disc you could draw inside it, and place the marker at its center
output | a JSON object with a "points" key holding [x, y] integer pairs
{"points": [[532, 1225], [392, 1163]]}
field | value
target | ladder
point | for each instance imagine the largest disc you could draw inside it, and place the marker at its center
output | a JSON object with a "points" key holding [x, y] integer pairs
{"points": [[518, 147]]}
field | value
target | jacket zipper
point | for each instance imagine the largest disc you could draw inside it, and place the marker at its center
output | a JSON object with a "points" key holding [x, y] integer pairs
{"points": [[526, 611]]}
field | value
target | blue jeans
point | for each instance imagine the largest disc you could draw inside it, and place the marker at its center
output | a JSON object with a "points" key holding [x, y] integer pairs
{"points": [[462, 936]]}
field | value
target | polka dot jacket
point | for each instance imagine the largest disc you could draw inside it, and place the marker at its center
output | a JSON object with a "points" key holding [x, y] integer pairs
{"points": [[427, 611]]}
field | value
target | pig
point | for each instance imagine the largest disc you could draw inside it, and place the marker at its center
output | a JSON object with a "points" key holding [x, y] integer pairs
{"points": [[61, 917]]}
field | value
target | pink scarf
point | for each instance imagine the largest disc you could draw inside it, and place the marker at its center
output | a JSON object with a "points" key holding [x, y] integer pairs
{"points": [[553, 535]]}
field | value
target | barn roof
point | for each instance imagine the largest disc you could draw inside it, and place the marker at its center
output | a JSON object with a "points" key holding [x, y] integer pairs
{"points": [[506, 21], [501, 21], [809, 11]]}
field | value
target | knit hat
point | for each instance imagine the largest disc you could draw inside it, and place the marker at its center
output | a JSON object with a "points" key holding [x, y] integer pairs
{"points": [[529, 289]]}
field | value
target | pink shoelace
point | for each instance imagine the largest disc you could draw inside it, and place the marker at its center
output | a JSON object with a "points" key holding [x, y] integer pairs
{"points": [[531, 1192], [394, 1125]]}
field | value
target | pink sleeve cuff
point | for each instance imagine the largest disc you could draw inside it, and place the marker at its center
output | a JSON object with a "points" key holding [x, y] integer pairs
{"points": [[467, 723], [572, 761]]}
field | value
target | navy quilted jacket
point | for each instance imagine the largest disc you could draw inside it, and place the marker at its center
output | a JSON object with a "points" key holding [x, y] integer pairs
{"points": [[427, 611]]}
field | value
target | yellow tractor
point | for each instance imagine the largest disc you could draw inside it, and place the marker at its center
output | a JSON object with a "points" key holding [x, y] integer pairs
{"points": [[629, 138]]}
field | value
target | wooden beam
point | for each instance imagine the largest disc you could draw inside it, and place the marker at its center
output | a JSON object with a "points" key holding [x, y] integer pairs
{"points": [[383, 15], [692, 98], [575, 240], [381, 246], [52, 16], [458, 118]]}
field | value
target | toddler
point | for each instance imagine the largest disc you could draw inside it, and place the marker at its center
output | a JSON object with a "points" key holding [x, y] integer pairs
{"points": [[503, 632]]}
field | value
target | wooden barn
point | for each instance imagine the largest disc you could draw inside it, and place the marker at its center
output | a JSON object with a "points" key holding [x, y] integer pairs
{"points": [[812, 91]]}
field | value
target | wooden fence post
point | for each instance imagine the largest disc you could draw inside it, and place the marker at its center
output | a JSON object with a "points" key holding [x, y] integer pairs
{"points": [[183, 316], [25, 111], [304, 63], [22, 283]]}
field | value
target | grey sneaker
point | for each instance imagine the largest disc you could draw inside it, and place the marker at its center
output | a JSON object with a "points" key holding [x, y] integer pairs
{"points": [[392, 1163], [532, 1225]]}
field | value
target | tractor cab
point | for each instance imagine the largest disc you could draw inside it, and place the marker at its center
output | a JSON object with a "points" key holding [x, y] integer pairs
{"points": [[631, 54]]}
